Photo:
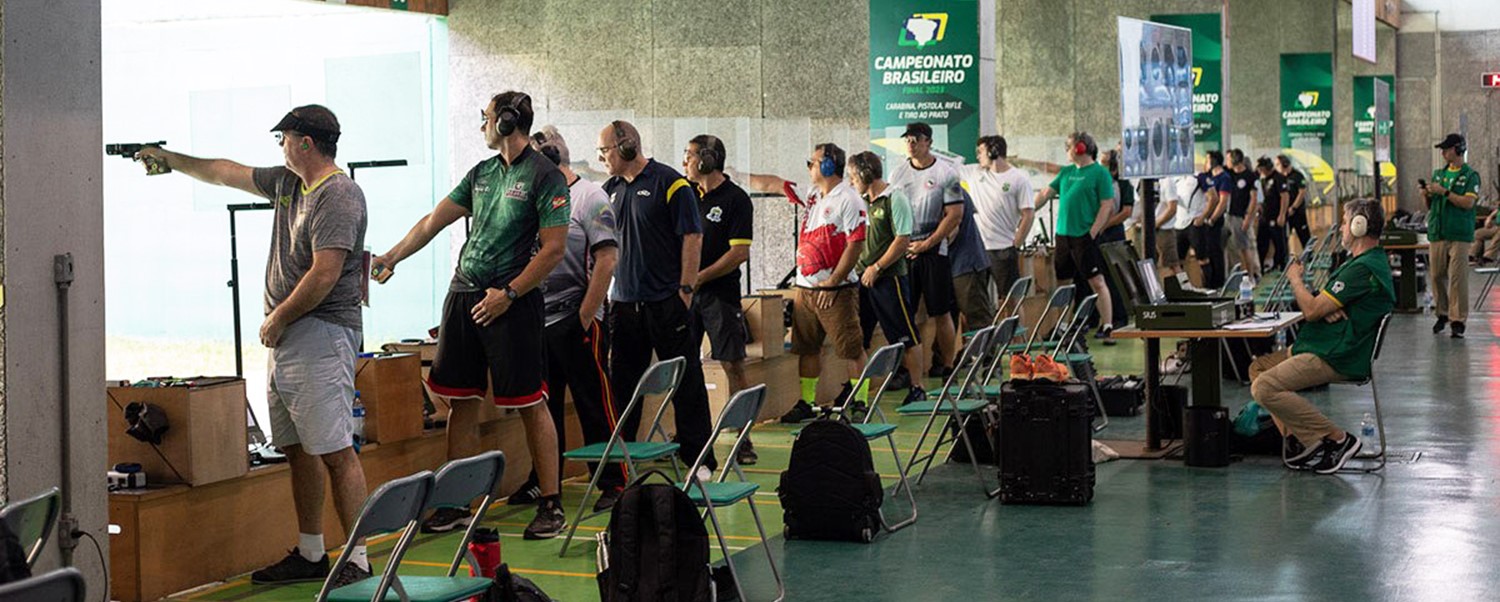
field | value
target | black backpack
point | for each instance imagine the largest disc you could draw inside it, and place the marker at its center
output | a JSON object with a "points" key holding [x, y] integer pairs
{"points": [[830, 489], [657, 546], [509, 587]]}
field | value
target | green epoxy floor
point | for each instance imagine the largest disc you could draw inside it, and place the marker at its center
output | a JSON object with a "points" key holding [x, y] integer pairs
{"points": [[1424, 530]]}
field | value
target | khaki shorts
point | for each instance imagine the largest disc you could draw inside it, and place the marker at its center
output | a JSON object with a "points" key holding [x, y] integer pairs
{"points": [[1166, 249], [811, 325], [975, 302]]}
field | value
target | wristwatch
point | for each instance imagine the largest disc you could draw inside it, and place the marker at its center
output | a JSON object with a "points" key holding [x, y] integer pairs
{"points": [[510, 293], [687, 289]]}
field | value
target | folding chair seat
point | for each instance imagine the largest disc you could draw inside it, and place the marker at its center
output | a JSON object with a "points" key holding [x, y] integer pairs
{"points": [[738, 416], [61, 585], [882, 366], [970, 364], [32, 520], [661, 379], [394, 506]]}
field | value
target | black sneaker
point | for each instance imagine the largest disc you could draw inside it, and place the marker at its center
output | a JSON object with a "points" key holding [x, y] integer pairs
{"points": [[1335, 454], [349, 575], [745, 455], [855, 410], [549, 521], [916, 394], [1442, 322], [529, 493], [1457, 330], [607, 499], [445, 519], [1295, 455], [1103, 334], [292, 569], [800, 412]]}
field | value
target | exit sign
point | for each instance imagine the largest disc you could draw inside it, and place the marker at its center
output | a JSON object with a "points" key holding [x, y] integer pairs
{"points": [[1490, 80]]}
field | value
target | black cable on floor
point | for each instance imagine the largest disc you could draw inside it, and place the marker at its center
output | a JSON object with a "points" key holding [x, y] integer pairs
{"points": [[100, 549]]}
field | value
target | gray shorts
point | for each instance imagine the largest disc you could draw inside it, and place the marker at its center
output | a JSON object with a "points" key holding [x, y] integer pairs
{"points": [[1235, 236], [310, 386]]}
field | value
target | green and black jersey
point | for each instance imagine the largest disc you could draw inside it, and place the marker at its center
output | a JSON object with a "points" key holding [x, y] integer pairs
{"points": [[890, 216], [1363, 289], [510, 204], [1445, 220]]}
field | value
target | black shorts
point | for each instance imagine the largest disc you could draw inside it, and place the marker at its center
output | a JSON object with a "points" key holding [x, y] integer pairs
{"points": [[719, 315], [888, 304], [932, 281], [507, 356], [1077, 257]]}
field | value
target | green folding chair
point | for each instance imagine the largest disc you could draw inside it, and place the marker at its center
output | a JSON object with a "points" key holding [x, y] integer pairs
{"points": [[882, 366], [1370, 461], [1077, 358], [394, 506], [1059, 302], [989, 385], [959, 408], [738, 416], [61, 585], [1017, 295], [662, 378], [32, 520]]}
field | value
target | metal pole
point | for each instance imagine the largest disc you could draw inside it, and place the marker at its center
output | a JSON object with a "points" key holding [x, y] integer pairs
{"points": [[1153, 346], [62, 276]]}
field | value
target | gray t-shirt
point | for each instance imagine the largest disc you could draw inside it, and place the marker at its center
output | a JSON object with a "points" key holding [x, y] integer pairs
{"points": [[331, 215], [591, 226], [931, 190]]}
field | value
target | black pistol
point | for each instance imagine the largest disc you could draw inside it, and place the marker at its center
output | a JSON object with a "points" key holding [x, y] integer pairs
{"points": [[128, 150]]}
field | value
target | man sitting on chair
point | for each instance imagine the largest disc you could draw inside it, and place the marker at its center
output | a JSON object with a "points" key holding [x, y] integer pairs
{"points": [[1335, 344]]}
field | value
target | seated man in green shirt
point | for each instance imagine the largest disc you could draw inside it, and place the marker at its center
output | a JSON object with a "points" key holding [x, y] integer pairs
{"points": [[1335, 343]]}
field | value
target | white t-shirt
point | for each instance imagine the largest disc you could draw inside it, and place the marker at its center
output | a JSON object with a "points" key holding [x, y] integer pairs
{"points": [[1169, 196], [832, 223], [1192, 202], [999, 198], [930, 191]]}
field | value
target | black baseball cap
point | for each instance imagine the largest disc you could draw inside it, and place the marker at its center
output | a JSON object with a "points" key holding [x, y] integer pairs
{"points": [[1453, 140], [918, 129], [313, 121]]}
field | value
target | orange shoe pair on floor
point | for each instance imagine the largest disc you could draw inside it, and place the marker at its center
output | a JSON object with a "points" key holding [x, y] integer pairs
{"points": [[1042, 367]]}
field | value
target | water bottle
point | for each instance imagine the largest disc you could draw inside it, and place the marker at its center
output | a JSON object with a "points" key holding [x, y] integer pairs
{"points": [[359, 418], [1247, 290], [1427, 301], [1367, 429], [1280, 340]]}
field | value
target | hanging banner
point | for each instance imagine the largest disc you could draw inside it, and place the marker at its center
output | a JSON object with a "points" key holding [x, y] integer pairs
{"points": [[924, 66], [1208, 56], [1366, 111], [1307, 105], [1156, 99]]}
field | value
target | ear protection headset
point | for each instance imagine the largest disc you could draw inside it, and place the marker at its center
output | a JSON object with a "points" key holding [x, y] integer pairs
{"points": [[1079, 146], [507, 116], [708, 156], [629, 149], [992, 148], [1359, 225], [827, 167]]}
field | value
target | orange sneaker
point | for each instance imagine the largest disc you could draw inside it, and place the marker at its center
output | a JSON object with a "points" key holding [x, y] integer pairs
{"points": [[1021, 368], [1048, 369]]}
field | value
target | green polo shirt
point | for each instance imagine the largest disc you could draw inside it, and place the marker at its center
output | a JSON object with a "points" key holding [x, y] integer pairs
{"points": [[1363, 289], [510, 205], [1080, 191], [1446, 221], [889, 217]]}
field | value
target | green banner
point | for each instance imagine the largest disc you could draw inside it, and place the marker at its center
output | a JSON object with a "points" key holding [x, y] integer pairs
{"points": [[924, 66], [1364, 117], [1208, 75], [1307, 104]]}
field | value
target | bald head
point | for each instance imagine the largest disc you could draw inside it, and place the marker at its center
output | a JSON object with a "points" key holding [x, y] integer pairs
{"points": [[620, 149]]}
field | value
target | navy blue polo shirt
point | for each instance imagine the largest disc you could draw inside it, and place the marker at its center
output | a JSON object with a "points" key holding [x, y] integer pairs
{"points": [[653, 213]]}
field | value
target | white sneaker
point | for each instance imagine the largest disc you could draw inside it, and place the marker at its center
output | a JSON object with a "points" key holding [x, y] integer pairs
{"points": [[705, 475], [1171, 365]]}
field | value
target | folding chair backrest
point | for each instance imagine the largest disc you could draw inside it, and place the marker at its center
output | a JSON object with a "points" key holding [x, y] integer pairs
{"points": [[738, 415], [393, 505], [662, 379], [459, 483], [1017, 294], [1000, 339], [61, 585], [968, 363], [882, 363], [1379, 339], [31, 520], [1077, 326], [1061, 299]]}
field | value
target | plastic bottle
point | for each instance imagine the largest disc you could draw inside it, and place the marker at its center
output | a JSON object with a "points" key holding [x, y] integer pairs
{"points": [[1427, 302], [1367, 429], [359, 418], [1280, 340], [1247, 290]]}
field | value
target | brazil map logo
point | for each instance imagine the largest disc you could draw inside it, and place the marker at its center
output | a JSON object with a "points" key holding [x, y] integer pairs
{"points": [[923, 29]]}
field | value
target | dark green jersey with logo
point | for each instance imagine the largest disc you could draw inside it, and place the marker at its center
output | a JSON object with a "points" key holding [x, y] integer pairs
{"points": [[1363, 289], [1445, 220], [510, 204], [889, 216]]}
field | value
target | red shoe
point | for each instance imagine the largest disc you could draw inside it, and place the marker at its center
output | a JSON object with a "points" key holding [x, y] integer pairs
{"points": [[1049, 370], [1021, 367]]}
